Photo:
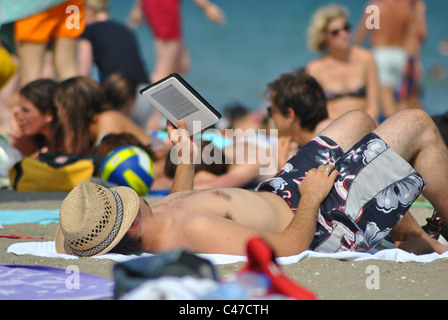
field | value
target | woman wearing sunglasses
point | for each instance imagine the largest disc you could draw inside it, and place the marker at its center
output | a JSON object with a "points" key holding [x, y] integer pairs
{"points": [[346, 72]]}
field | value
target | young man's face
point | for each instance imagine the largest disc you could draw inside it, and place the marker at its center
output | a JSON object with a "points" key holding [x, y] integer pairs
{"points": [[282, 122]]}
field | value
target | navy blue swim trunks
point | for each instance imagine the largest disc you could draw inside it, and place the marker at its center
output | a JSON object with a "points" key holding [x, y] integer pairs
{"points": [[375, 187]]}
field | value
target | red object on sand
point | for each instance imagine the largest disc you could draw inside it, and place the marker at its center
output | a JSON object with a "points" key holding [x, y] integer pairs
{"points": [[17, 236], [261, 259]]}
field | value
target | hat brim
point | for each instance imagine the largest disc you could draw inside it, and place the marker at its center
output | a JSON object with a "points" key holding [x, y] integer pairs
{"points": [[131, 204]]}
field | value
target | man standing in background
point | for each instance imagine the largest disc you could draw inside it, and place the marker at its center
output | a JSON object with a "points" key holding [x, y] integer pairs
{"points": [[388, 45]]}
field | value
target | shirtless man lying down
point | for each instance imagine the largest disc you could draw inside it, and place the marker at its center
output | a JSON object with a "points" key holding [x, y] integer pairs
{"points": [[344, 190]]}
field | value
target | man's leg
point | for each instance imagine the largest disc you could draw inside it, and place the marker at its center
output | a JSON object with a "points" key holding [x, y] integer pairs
{"points": [[353, 126], [409, 236], [31, 61], [65, 58], [349, 128], [184, 60], [414, 136], [168, 55]]}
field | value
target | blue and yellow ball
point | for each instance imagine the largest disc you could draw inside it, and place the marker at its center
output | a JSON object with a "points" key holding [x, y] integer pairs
{"points": [[129, 166]]}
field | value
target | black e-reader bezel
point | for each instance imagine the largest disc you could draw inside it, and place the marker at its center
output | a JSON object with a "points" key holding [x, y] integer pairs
{"points": [[191, 107]]}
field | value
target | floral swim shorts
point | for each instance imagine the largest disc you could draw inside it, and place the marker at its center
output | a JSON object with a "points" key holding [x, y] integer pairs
{"points": [[374, 189]]}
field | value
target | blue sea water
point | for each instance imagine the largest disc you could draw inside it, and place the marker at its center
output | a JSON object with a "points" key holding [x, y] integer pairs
{"points": [[264, 38]]}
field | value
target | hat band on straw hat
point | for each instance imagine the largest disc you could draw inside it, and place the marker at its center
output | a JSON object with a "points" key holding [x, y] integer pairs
{"points": [[103, 245]]}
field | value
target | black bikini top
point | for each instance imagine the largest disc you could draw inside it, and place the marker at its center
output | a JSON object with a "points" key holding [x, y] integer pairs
{"points": [[360, 93]]}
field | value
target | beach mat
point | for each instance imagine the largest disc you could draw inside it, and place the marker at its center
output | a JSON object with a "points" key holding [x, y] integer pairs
{"points": [[47, 249], [24, 282]]}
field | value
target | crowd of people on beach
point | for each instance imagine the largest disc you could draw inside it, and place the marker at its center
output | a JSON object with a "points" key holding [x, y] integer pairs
{"points": [[79, 95], [63, 106]]}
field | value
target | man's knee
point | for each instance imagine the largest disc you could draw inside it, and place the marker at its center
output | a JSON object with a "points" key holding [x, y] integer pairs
{"points": [[360, 117], [419, 120], [413, 114]]}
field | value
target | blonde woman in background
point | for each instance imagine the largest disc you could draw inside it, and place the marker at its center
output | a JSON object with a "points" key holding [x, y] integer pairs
{"points": [[346, 72]]}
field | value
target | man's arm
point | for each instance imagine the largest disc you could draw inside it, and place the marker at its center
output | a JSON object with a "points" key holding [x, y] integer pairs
{"points": [[238, 175], [420, 21], [134, 18], [299, 233], [361, 30], [184, 175]]}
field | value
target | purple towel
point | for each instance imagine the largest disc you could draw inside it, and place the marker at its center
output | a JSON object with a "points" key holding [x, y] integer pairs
{"points": [[23, 282]]}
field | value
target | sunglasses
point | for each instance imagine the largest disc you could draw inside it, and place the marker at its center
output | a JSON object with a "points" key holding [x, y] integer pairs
{"points": [[346, 28], [270, 111]]}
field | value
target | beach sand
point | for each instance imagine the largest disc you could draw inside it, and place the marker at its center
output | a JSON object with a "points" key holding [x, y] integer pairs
{"points": [[328, 278]]}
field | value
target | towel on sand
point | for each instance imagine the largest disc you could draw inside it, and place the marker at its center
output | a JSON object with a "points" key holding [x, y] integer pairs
{"points": [[22, 282], [47, 249], [28, 216]]}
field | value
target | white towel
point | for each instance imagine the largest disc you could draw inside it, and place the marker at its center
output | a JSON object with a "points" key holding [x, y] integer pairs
{"points": [[47, 249]]}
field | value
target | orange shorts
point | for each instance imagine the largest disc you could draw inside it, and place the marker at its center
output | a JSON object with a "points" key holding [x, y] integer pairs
{"points": [[52, 23]]}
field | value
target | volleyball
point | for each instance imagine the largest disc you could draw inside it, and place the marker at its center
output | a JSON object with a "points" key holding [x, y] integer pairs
{"points": [[129, 166]]}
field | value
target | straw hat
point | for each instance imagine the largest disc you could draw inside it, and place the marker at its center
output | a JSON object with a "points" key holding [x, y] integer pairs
{"points": [[93, 219]]}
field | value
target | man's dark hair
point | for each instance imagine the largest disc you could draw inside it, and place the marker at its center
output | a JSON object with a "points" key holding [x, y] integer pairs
{"points": [[128, 245], [301, 92]]}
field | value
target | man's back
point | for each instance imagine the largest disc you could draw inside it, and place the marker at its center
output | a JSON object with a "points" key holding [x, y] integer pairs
{"points": [[395, 19], [115, 49]]}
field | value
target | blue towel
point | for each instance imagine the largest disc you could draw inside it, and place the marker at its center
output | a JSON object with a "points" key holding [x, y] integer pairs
{"points": [[28, 216]]}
